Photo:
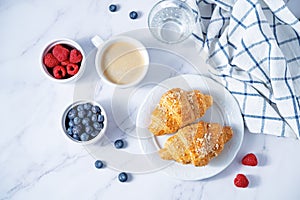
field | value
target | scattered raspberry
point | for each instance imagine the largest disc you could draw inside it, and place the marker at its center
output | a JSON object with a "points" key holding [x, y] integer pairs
{"points": [[72, 69], [50, 60], [250, 160], [59, 72], [75, 56], [60, 53], [241, 181]]}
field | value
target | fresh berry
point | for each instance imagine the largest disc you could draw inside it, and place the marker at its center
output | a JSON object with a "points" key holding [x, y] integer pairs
{"points": [[98, 164], [50, 60], [85, 121], [94, 133], [113, 8], [72, 69], [89, 114], [65, 63], [119, 144], [59, 72], [98, 126], [84, 137], [75, 56], [96, 109], [133, 15], [94, 118], [80, 107], [71, 123], [89, 129], [81, 114], [87, 106], [77, 129], [250, 160], [123, 177], [76, 136], [100, 118], [70, 131], [60, 53], [241, 181], [72, 113], [77, 120]]}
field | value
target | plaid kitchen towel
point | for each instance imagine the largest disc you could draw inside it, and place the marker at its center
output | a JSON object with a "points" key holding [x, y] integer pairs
{"points": [[253, 47]]}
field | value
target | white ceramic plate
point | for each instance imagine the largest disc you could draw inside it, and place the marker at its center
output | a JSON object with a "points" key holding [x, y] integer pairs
{"points": [[224, 110]]}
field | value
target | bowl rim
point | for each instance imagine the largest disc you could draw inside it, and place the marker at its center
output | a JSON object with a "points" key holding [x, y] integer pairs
{"points": [[78, 102], [140, 46], [49, 45]]}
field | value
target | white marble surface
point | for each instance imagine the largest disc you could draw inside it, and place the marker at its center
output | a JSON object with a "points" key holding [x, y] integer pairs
{"points": [[36, 160]]}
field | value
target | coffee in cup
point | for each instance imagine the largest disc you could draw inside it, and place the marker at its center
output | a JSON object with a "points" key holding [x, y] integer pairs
{"points": [[121, 61]]}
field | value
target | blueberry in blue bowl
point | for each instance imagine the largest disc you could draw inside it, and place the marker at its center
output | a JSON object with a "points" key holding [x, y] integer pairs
{"points": [[84, 122]]}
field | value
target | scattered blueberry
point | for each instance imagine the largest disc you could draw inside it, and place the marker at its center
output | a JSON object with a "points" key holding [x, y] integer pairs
{"points": [[79, 107], [77, 120], [113, 8], [87, 106], [81, 114], [77, 129], [96, 109], [133, 15], [89, 129], [98, 126], [72, 113], [119, 144], [85, 121], [94, 117], [76, 136], [84, 137], [71, 123], [123, 177], [98, 164], [100, 118]]}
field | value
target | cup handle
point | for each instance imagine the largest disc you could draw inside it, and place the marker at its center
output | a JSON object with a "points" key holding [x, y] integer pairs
{"points": [[97, 41]]}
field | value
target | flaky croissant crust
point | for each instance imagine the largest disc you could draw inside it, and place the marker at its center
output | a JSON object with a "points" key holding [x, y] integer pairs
{"points": [[197, 143], [178, 108]]}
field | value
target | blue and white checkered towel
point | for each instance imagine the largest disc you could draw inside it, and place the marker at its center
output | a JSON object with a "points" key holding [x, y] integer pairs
{"points": [[254, 47]]}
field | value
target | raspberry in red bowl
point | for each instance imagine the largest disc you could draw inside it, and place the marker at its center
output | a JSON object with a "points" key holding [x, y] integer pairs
{"points": [[63, 60]]}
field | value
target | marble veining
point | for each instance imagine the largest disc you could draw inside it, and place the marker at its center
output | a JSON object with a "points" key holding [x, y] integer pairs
{"points": [[38, 162], [35, 173]]}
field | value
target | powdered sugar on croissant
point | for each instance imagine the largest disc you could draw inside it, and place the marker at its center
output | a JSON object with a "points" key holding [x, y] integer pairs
{"points": [[197, 143], [178, 108]]}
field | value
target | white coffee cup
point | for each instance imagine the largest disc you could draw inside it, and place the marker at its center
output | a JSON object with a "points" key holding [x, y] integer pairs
{"points": [[121, 61]]}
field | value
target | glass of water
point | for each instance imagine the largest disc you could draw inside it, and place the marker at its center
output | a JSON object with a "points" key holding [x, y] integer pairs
{"points": [[171, 21]]}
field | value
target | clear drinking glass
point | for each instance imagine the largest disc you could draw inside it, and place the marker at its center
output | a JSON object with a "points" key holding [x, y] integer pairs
{"points": [[171, 21]]}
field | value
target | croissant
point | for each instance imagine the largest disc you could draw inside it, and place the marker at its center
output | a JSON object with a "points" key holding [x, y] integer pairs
{"points": [[197, 143], [178, 108]]}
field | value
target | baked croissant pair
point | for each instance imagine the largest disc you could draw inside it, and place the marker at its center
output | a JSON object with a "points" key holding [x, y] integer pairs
{"points": [[195, 143]]}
